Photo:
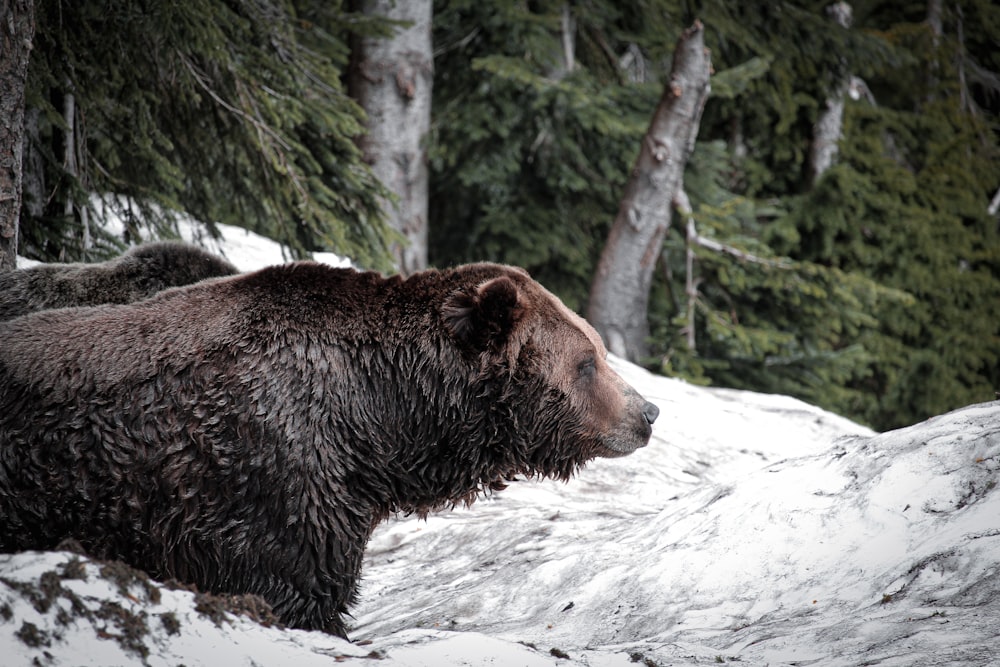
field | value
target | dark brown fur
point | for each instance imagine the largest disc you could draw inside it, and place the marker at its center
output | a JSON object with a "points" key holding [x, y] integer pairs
{"points": [[139, 273], [246, 434]]}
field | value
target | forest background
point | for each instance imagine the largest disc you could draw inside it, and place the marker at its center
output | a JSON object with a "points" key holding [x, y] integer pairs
{"points": [[868, 285]]}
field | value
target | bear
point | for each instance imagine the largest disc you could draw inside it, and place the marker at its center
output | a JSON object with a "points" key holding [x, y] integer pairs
{"points": [[138, 273], [246, 434]]}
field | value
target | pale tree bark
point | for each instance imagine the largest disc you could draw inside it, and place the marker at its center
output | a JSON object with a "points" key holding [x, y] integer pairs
{"points": [[567, 28], [829, 124], [994, 206], [682, 204], [965, 98], [17, 30], [619, 295], [392, 79]]}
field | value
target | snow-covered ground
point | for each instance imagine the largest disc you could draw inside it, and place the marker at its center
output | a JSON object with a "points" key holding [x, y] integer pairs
{"points": [[753, 529]]}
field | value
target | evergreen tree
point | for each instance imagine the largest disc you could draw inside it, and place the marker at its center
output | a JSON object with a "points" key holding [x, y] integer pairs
{"points": [[869, 291], [742, 309], [762, 284], [529, 155], [230, 110], [521, 178], [908, 207]]}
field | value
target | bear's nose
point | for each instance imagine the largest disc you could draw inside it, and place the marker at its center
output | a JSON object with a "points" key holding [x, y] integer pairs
{"points": [[650, 412]]}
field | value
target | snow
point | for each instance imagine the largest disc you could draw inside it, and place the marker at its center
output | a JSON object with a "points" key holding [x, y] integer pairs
{"points": [[753, 529]]}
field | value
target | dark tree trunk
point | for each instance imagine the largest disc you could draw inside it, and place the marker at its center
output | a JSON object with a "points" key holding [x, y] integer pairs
{"points": [[619, 295], [17, 30], [391, 78]]}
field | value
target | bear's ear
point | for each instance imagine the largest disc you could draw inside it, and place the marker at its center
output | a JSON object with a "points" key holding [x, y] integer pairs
{"points": [[484, 317]]}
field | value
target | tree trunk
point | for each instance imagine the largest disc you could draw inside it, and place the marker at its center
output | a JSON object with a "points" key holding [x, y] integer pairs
{"points": [[567, 26], [392, 77], [17, 30], [619, 295], [829, 125], [934, 23]]}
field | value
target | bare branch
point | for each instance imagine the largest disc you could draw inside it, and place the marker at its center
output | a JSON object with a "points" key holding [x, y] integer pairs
{"points": [[737, 253]]}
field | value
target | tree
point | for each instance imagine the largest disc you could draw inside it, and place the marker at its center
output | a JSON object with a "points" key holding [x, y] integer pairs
{"points": [[17, 29], [789, 286], [619, 296], [392, 79], [827, 131], [908, 205], [229, 110], [529, 155]]}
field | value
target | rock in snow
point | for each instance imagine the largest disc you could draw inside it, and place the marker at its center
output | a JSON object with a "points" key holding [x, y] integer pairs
{"points": [[753, 529]]}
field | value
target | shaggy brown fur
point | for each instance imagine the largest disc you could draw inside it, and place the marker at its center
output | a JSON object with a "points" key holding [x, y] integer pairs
{"points": [[139, 273], [246, 434]]}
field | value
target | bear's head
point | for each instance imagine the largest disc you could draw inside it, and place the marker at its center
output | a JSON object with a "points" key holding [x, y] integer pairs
{"points": [[553, 366]]}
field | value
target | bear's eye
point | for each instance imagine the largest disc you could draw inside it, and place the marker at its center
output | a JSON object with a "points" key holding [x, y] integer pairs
{"points": [[587, 368]]}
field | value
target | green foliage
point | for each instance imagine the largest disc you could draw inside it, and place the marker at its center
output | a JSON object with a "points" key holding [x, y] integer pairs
{"points": [[529, 160], [922, 229], [770, 122], [230, 111], [867, 294], [761, 320]]}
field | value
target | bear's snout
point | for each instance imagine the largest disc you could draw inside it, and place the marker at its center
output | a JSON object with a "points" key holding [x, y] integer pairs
{"points": [[650, 412]]}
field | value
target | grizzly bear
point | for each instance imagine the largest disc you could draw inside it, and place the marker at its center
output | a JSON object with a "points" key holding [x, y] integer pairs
{"points": [[138, 273], [246, 434]]}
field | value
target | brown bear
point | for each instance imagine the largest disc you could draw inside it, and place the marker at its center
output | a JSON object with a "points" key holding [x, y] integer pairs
{"points": [[138, 273], [246, 434]]}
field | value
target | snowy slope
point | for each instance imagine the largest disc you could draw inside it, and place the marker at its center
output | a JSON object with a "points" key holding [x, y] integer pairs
{"points": [[754, 529]]}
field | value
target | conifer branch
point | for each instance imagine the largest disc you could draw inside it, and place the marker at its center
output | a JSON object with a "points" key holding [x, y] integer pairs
{"points": [[270, 140], [259, 124], [279, 156]]}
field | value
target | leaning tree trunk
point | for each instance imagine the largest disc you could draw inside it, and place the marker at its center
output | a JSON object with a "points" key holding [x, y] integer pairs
{"points": [[17, 30], [391, 77], [619, 295]]}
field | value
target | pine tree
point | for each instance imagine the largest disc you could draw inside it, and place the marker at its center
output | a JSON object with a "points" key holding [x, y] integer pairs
{"points": [[529, 152], [232, 111], [495, 126], [757, 287], [908, 207]]}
